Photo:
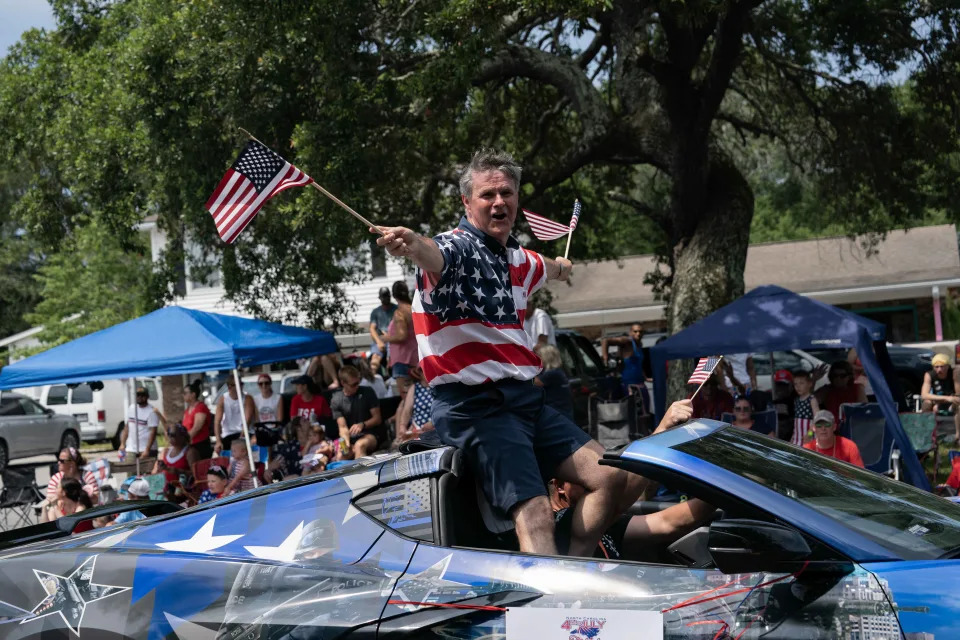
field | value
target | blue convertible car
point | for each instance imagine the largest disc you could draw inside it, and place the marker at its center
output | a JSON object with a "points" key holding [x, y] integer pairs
{"points": [[802, 546]]}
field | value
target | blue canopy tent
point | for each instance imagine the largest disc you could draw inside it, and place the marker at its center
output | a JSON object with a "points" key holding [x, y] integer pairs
{"points": [[169, 341], [772, 318]]}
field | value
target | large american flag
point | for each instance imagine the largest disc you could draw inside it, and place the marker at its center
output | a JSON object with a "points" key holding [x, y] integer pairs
{"points": [[256, 176], [704, 370]]}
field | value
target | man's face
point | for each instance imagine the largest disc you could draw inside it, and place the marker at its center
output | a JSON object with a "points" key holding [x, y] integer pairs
{"points": [[823, 431], [492, 207], [636, 332], [385, 299], [940, 370], [142, 399]]}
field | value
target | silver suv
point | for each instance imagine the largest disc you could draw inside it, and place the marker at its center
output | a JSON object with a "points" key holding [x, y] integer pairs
{"points": [[29, 429]]}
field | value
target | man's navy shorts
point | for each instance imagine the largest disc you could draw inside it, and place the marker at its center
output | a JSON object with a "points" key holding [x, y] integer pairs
{"points": [[512, 440]]}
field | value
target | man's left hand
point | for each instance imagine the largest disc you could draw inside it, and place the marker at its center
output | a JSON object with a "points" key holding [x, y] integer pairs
{"points": [[566, 268], [144, 455]]}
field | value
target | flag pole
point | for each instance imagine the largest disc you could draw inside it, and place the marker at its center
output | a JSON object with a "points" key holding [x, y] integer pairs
{"points": [[328, 194], [705, 379], [570, 233]]}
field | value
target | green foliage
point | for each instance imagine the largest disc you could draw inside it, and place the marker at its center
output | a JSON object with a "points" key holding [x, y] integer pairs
{"points": [[91, 283]]}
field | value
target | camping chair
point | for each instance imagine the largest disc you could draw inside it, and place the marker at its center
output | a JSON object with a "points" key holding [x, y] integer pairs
{"points": [[921, 429], [613, 422], [20, 493], [764, 422], [866, 426], [200, 468]]}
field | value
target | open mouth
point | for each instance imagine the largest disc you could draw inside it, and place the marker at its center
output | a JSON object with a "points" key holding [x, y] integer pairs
{"points": [[499, 216]]}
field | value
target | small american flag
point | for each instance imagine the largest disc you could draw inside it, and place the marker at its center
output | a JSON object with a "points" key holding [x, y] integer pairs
{"points": [[576, 215], [704, 370], [256, 176], [545, 228]]}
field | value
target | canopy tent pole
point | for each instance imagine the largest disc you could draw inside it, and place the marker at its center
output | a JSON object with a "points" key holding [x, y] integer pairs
{"points": [[131, 393], [243, 421]]}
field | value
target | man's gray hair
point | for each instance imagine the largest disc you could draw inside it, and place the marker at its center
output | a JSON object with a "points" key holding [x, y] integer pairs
{"points": [[489, 160]]}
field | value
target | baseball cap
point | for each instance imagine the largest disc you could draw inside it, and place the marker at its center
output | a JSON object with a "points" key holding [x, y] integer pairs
{"points": [[940, 359], [139, 488], [142, 391], [823, 416], [304, 379], [782, 375], [383, 292]]}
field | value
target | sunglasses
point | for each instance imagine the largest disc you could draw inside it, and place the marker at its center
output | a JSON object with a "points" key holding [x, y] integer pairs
{"points": [[741, 409], [265, 384]]}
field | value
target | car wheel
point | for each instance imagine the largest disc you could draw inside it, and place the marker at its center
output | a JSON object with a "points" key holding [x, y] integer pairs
{"points": [[4, 456], [69, 439]]}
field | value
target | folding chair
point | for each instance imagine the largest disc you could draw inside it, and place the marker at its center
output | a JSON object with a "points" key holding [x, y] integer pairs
{"points": [[866, 426], [613, 423], [921, 429], [764, 422], [20, 493]]}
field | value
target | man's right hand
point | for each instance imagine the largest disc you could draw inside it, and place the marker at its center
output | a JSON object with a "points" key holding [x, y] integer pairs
{"points": [[678, 413], [398, 241], [218, 447]]}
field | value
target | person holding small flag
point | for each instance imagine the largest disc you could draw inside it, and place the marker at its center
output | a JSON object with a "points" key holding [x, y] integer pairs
{"points": [[473, 284]]}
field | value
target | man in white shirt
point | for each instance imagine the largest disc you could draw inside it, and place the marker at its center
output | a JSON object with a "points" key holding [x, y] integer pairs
{"points": [[269, 406], [539, 327], [140, 432]]}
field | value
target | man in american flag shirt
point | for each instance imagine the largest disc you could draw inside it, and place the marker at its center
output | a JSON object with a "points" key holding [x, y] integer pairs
{"points": [[473, 284]]}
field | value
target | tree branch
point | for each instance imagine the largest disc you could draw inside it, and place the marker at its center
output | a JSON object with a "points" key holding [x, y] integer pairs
{"points": [[656, 216], [728, 43]]}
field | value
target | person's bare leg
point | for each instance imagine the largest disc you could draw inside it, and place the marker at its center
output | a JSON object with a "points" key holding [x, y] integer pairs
{"points": [[364, 446], [533, 521], [956, 424], [329, 364], [403, 383], [375, 363], [606, 489]]}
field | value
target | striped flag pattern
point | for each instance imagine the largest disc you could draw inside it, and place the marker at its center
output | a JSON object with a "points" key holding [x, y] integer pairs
{"points": [[704, 370], [576, 215], [801, 426], [545, 228], [256, 176]]}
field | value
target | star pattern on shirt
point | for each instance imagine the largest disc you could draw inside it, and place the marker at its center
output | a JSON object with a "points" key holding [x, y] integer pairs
{"points": [[475, 286]]}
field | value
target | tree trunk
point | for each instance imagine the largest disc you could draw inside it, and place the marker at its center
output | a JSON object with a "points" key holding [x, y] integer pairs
{"points": [[708, 263]]}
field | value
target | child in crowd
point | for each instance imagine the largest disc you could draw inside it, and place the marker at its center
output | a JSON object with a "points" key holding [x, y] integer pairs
{"points": [[216, 484], [804, 407], [240, 477], [318, 451]]}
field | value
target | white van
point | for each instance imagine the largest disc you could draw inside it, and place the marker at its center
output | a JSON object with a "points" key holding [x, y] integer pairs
{"points": [[100, 413]]}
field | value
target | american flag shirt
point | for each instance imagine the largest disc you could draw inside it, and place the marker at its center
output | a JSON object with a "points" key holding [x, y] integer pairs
{"points": [[802, 420], [469, 317]]}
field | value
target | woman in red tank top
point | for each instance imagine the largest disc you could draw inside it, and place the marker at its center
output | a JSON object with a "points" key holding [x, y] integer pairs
{"points": [[173, 458], [841, 390]]}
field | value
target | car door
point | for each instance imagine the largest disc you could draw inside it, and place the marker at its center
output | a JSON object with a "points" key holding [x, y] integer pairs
{"points": [[44, 427], [15, 427]]}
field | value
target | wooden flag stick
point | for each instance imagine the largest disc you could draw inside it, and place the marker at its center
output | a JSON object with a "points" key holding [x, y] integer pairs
{"points": [[705, 380], [329, 195]]}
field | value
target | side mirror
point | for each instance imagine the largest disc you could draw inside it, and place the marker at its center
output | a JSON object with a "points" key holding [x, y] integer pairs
{"points": [[752, 546]]}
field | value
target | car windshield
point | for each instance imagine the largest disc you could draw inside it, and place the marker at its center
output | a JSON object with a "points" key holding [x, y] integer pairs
{"points": [[911, 523]]}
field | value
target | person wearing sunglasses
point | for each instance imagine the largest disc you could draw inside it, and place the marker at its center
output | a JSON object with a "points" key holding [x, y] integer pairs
{"points": [[357, 412], [70, 464], [742, 413], [269, 407]]}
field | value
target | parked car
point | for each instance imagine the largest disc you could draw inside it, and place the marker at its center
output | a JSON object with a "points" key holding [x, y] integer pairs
{"points": [[910, 364], [404, 546], [583, 367], [100, 412], [29, 429]]}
